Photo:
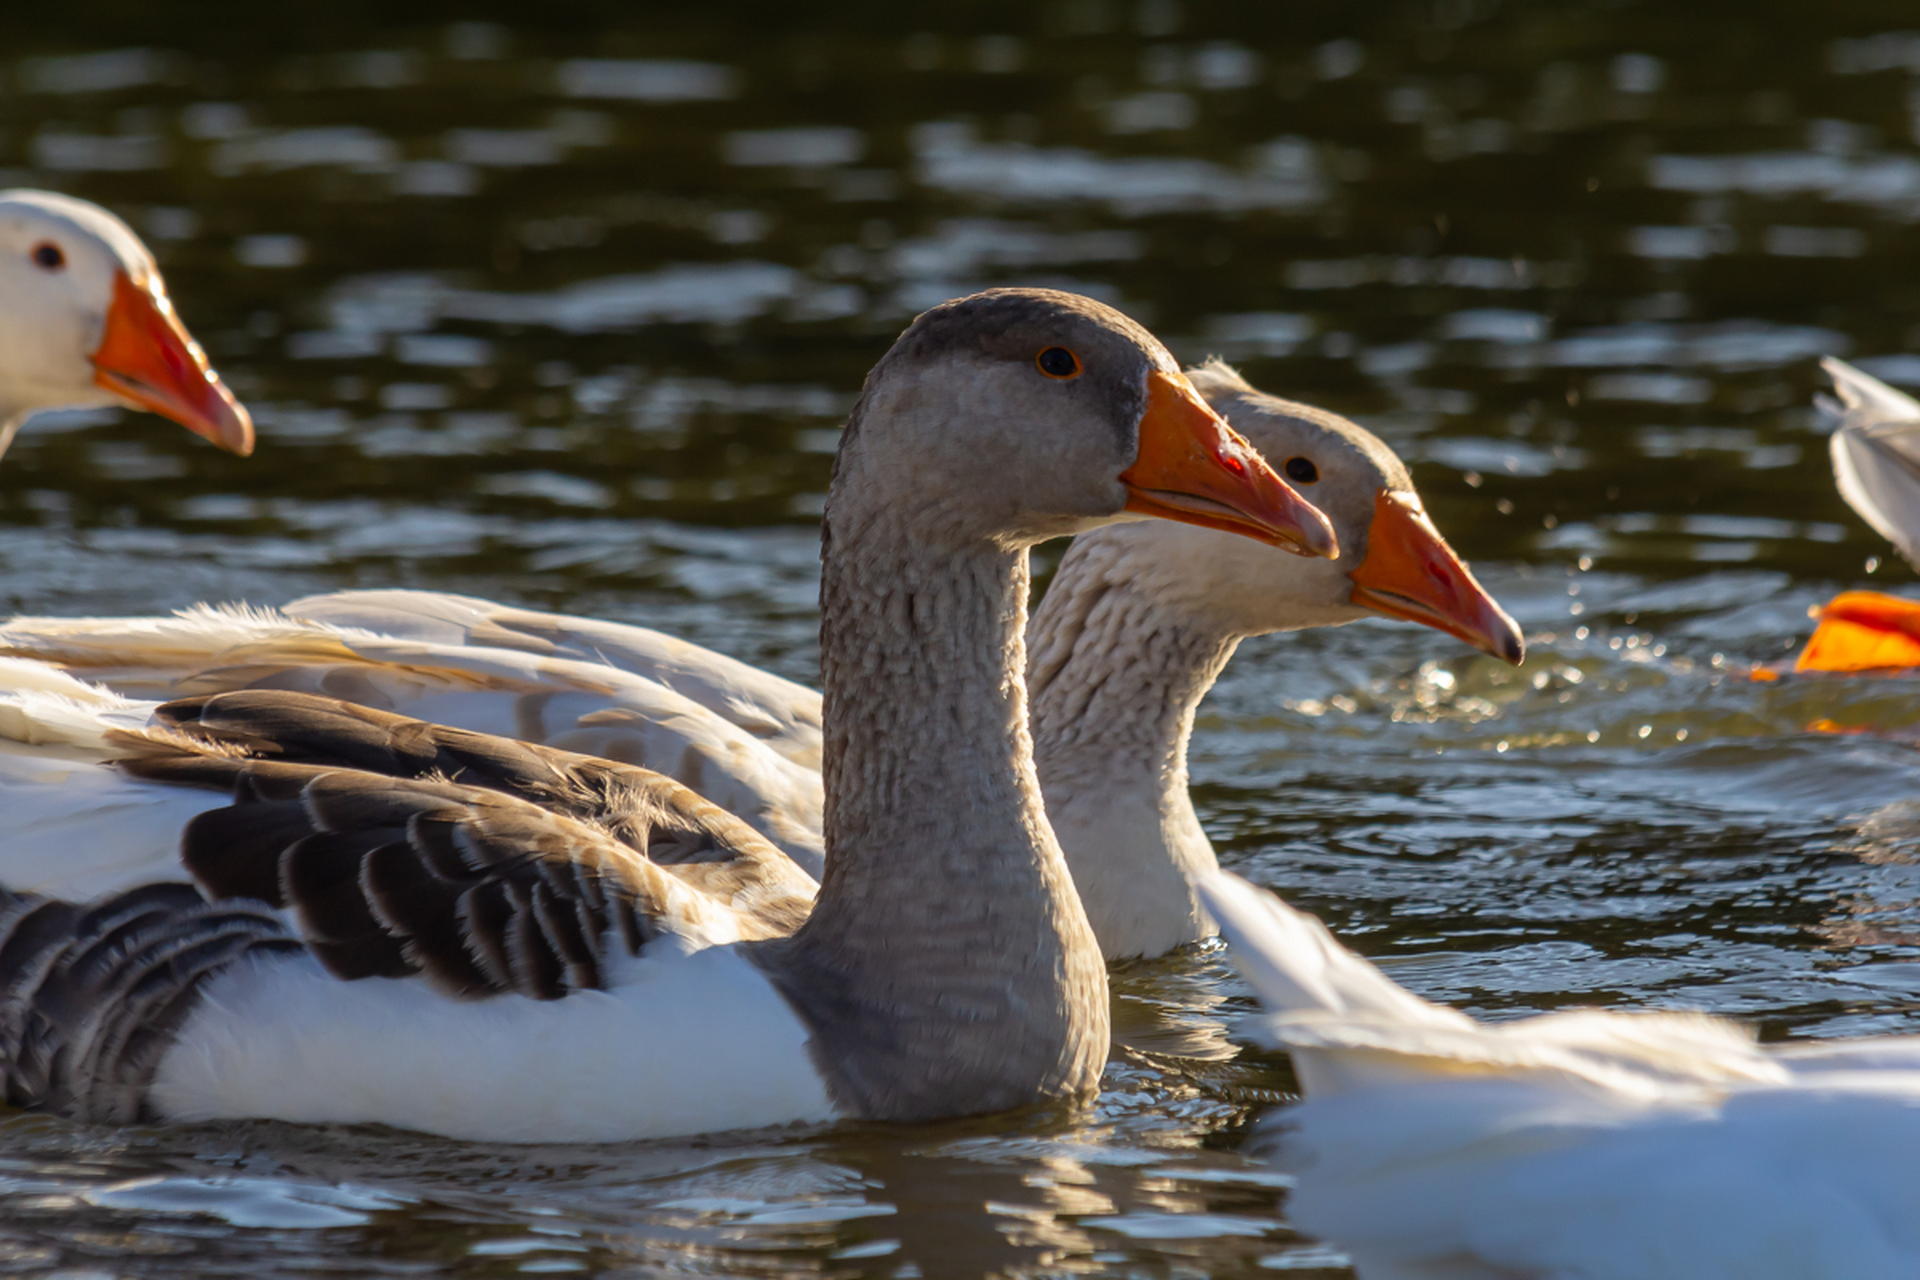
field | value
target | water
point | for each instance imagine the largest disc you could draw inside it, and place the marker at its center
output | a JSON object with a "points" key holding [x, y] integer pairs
{"points": [[568, 313]]}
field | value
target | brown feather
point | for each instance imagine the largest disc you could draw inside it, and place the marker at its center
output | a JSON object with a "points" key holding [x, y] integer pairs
{"points": [[483, 913], [235, 852], [320, 876], [484, 864], [412, 901], [91, 998]]}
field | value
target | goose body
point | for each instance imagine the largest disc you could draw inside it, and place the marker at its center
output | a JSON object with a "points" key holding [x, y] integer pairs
{"points": [[1587, 1145], [485, 904], [1137, 625]]}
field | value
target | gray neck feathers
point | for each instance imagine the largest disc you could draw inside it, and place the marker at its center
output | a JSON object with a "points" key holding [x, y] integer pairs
{"points": [[947, 967], [1116, 675]]}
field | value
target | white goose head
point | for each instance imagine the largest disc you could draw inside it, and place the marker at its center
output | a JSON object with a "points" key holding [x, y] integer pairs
{"points": [[85, 320], [1392, 560]]}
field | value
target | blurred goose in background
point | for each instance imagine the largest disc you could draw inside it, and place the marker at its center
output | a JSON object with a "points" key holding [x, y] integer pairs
{"points": [[85, 321], [1134, 630], [1589, 1145], [401, 923], [1876, 464], [1138, 623]]}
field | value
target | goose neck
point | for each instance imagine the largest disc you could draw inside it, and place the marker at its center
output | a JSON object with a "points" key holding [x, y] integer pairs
{"points": [[1115, 677], [947, 966]]}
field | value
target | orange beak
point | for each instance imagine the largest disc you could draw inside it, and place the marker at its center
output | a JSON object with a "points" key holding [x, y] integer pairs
{"points": [[1410, 572], [147, 357], [1864, 631], [1194, 468]]}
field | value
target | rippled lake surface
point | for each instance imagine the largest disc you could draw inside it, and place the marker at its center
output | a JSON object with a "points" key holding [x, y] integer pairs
{"points": [[567, 311]]}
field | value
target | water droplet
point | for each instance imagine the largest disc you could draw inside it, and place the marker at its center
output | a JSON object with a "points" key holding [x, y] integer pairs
{"points": [[1646, 730]]}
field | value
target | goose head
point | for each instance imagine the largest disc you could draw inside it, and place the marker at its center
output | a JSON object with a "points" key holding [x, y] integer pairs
{"points": [[1017, 415], [85, 320], [1393, 561]]}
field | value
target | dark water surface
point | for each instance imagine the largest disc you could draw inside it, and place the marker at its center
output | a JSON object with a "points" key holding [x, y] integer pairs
{"points": [[567, 311]]}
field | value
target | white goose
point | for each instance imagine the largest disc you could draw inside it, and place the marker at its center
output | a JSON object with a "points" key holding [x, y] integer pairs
{"points": [[1138, 624], [499, 941], [1590, 1145], [87, 322]]}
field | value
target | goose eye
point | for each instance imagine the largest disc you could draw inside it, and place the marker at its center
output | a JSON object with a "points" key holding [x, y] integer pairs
{"points": [[47, 256], [1301, 470], [1058, 362]]}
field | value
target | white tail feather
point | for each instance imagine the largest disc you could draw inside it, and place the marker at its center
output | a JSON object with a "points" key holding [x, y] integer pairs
{"points": [[42, 706], [1296, 966], [147, 654], [1348, 1025], [1868, 395]]}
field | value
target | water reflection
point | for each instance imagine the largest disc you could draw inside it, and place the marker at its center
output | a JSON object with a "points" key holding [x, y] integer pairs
{"points": [[569, 310]]}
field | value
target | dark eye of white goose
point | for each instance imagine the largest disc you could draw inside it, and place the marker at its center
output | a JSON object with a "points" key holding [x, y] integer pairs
{"points": [[1301, 470], [47, 256]]}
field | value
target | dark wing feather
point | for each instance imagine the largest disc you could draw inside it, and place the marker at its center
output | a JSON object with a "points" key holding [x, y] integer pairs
{"points": [[649, 813], [91, 997], [411, 899], [486, 865]]}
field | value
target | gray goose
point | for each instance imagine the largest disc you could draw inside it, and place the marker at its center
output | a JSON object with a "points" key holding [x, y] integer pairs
{"points": [[429, 928]]}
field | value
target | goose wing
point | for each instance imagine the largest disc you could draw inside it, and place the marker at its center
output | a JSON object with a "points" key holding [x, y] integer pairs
{"points": [[147, 654], [778, 712], [1876, 454], [402, 846], [533, 692]]}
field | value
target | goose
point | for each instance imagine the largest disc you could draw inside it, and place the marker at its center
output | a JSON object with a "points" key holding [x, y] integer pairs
{"points": [[1876, 465], [86, 322], [400, 923], [1136, 627], [1584, 1145], [1138, 623]]}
